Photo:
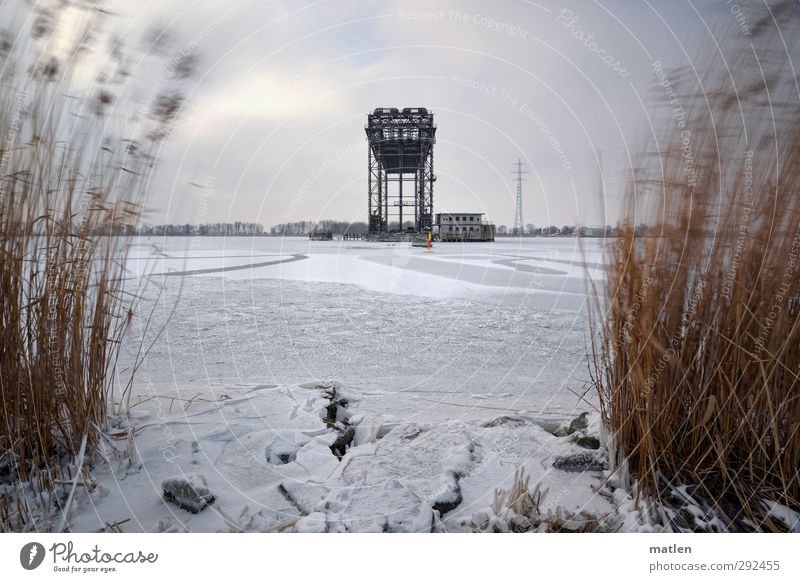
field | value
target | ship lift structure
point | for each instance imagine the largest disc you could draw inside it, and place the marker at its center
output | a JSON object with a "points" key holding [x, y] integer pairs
{"points": [[400, 156]]}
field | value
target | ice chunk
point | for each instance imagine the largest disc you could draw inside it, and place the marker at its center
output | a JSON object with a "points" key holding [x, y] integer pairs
{"points": [[580, 423], [281, 452], [312, 523], [370, 428], [448, 496], [374, 507], [579, 462], [317, 458], [304, 496], [779, 511], [188, 492]]}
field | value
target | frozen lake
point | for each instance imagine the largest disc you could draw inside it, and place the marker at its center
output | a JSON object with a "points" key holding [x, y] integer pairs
{"points": [[447, 370], [464, 331]]}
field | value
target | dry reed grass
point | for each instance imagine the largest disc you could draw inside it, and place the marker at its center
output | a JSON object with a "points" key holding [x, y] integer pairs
{"points": [[523, 509], [697, 327], [66, 186]]}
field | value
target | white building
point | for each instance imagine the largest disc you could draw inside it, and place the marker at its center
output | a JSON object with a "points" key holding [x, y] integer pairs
{"points": [[463, 226]]}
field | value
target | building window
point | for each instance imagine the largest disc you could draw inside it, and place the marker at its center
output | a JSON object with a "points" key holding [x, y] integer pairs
{"points": [[471, 218]]}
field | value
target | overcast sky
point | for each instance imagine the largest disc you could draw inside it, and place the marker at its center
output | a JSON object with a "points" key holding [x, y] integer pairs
{"points": [[273, 129]]}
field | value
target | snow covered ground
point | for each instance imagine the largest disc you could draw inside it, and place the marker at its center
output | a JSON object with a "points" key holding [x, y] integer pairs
{"points": [[354, 386], [498, 327]]}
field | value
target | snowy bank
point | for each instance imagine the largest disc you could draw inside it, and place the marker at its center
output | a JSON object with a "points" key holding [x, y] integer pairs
{"points": [[316, 458]]}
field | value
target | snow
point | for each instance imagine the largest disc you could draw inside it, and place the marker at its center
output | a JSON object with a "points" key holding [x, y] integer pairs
{"points": [[548, 270], [434, 376], [780, 512], [408, 477], [380, 317]]}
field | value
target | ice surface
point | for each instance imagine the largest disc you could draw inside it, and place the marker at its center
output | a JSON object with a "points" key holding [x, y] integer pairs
{"points": [[453, 368], [464, 332]]}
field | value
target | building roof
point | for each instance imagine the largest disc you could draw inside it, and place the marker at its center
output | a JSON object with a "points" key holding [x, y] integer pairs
{"points": [[460, 213]]}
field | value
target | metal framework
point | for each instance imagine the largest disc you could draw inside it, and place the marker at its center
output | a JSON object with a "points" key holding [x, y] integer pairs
{"points": [[400, 153], [519, 227]]}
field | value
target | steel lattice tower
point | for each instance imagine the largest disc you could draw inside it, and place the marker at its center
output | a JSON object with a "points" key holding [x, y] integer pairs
{"points": [[519, 226], [400, 151]]}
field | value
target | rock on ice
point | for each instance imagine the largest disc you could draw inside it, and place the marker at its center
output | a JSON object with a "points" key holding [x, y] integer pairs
{"points": [[188, 492]]}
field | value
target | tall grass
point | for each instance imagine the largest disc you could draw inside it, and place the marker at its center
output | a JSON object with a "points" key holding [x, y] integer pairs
{"points": [[697, 326], [67, 183]]}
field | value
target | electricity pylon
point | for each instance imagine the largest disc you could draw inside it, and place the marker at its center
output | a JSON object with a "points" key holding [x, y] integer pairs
{"points": [[519, 226]]}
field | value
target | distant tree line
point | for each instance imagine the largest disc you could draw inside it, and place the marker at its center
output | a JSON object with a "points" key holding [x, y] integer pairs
{"points": [[299, 228], [304, 227], [552, 230], [205, 229]]}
